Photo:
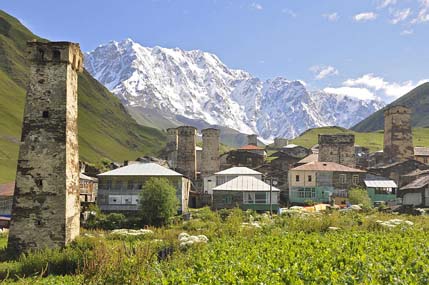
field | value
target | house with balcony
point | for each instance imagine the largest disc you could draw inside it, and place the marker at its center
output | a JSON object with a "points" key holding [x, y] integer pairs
{"points": [[119, 189], [226, 175], [321, 182]]}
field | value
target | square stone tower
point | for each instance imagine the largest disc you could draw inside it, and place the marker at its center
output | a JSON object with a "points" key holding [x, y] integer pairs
{"points": [[46, 207], [252, 140], [210, 156], [171, 147], [186, 151], [338, 148], [398, 136]]}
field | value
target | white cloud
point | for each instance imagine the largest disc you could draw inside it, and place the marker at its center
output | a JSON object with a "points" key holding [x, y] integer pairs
{"points": [[390, 89], [256, 6], [289, 12], [407, 32], [423, 14], [323, 71], [332, 17], [364, 17], [360, 93], [386, 3], [400, 15]]}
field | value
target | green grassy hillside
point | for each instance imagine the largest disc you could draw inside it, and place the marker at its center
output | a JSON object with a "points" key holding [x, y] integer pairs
{"points": [[372, 140], [106, 130], [417, 99]]}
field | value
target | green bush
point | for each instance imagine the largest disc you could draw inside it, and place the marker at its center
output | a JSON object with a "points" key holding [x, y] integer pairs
{"points": [[158, 201], [359, 196]]}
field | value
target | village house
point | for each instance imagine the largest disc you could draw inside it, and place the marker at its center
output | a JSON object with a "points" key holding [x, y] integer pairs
{"points": [[226, 175], [119, 189], [241, 158], [380, 189], [322, 181], [88, 188], [421, 154], [6, 198], [246, 192], [416, 193]]}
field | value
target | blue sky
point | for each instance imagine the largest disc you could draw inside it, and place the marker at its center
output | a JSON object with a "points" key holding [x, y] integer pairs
{"points": [[364, 48]]}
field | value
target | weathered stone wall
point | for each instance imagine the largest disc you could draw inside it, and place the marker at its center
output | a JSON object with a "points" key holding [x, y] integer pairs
{"points": [[46, 204], [338, 148], [210, 162], [171, 148], [398, 137], [252, 140], [280, 142], [186, 152]]}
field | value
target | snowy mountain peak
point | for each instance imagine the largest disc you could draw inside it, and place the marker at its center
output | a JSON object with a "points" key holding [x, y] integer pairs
{"points": [[197, 85]]}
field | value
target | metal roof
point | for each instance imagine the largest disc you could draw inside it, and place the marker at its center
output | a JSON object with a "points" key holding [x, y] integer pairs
{"points": [[326, 166], [380, 183], [86, 177], [310, 158], [245, 183], [141, 169], [417, 184], [238, 171], [421, 151]]}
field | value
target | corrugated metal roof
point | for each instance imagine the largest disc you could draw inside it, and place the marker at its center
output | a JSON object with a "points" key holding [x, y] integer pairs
{"points": [[7, 189], [417, 184], [380, 183], [423, 151], [238, 171], [326, 166], [141, 169], [247, 184]]}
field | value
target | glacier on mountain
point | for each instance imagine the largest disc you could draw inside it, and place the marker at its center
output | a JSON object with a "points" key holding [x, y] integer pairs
{"points": [[197, 85]]}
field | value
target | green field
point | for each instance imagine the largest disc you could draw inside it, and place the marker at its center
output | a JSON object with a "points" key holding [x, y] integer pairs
{"points": [[372, 140], [243, 248]]}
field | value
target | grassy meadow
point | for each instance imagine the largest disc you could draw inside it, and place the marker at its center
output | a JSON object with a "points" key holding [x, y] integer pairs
{"points": [[242, 248]]}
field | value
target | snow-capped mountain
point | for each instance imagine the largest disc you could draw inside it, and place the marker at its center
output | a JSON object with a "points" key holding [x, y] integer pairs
{"points": [[196, 85]]}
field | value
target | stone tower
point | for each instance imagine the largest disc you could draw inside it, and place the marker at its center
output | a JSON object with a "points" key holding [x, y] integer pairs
{"points": [[252, 140], [398, 136], [171, 147], [280, 142], [338, 148], [46, 206], [210, 162], [186, 151]]}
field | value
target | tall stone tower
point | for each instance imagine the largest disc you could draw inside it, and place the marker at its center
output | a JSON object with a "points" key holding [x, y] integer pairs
{"points": [[210, 162], [252, 140], [398, 136], [186, 151], [338, 148], [46, 207], [171, 147]]}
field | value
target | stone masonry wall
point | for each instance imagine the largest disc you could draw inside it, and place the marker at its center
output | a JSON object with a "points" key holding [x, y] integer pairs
{"points": [[338, 148], [186, 152], [210, 161]]}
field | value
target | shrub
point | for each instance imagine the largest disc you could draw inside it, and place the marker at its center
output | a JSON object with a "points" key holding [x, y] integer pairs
{"points": [[359, 196], [158, 201]]}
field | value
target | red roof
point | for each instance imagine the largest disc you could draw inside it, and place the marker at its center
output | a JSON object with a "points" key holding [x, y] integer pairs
{"points": [[251, 147], [326, 166], [7, 189]]}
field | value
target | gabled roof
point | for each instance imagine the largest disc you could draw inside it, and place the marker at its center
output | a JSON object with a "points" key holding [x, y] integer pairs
{"points": [[417, 184], [251, 147], [309, 158], [245, 184], [423, 151], [326, 166], [290, 146], [238, 171], [141, 169], [86, 177], [380, 183]]}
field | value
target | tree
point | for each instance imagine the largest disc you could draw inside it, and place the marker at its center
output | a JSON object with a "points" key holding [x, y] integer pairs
{"points": [[359, 196], [158, 201]]}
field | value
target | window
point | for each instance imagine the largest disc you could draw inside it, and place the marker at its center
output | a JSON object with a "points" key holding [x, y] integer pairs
{"points": [[45, 114], [310, 178], [343, 179], [306, 193], [228, 199], [255, 198], [355, 179], [130, 185], [118, 185], [297, 178], [108, 184], [425, 160]]}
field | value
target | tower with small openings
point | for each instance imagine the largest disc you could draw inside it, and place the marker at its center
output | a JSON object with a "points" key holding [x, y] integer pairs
{"points": [[46, 207]]}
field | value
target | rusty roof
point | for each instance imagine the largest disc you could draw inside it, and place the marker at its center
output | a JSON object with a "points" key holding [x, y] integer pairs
{"points": [[421, 151], [7, 189], [326, 166], [310, 158], [251, 147]]}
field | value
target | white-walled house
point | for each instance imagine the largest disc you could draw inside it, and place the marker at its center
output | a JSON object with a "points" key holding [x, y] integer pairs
{"points": [[226, 175]]}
